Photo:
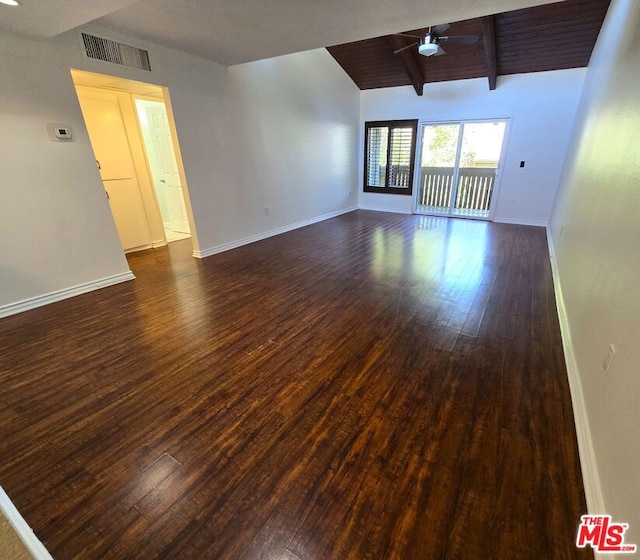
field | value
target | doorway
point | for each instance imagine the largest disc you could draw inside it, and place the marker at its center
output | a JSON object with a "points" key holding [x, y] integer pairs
{"points": [[459, 167], [131, 165], [158, 141]]}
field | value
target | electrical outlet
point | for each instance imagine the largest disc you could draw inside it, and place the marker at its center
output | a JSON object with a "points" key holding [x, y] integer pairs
{"points": [[267, 211], [608, 360]]}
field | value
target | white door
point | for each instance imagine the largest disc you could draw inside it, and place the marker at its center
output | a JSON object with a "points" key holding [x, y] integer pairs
{"points": [[128, 213], [105, 126], [163, 164]]}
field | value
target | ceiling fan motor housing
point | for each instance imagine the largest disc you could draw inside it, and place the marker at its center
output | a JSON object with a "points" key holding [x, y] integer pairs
{"points": [[428, 46]]}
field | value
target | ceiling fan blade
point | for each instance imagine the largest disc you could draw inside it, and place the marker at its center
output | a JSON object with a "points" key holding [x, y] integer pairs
{"points": [[407, 35], [460, 39], [440, 52], [438, 29], [405, 48]]}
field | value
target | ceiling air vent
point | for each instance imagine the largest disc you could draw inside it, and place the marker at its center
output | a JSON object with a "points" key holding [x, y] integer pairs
{"points": [[117, 53]]}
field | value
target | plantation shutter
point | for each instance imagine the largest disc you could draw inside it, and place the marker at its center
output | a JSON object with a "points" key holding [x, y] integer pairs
{"points": [[377, 139], [389, 156], [400, 160]]}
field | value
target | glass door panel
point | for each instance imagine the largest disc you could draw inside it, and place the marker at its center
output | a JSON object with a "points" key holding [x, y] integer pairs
{"points": [[437, 168], [478, 165], [458, 168]]}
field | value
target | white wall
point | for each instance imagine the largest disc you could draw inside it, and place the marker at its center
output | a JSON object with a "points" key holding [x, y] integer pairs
{"points": [[56, 226], [596, 234], [541, 107], [293, 132]]}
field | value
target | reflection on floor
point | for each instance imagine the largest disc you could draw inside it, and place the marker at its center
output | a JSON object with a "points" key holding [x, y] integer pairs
{"points": [[461, 212], [175, 235], [375, 385]]}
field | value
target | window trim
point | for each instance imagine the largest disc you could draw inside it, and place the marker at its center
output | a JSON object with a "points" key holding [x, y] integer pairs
{"points": [[386, 189]]}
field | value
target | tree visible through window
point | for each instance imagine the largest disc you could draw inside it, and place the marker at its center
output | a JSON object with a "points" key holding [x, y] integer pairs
{"points": [[389, 156]]}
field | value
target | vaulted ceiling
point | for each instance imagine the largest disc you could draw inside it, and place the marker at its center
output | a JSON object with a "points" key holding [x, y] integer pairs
{"points": [[550, 37]]}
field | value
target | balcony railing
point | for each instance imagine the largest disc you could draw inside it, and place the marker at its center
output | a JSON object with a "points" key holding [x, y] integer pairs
{"points": [[475, 188], [399, 176], [473, 197]]}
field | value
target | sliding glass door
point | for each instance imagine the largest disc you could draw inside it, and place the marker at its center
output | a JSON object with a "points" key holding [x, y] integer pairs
{"points": [[438, 164], [459, 163]]}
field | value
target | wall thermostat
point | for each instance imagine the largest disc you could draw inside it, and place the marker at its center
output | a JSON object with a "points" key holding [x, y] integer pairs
{"points": [[59, 132]]}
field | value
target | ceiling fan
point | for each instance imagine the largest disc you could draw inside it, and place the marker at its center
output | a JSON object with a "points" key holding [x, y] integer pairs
{"points": [[429, 45]]}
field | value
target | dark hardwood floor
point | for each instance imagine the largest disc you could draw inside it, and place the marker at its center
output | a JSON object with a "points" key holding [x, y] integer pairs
{"points": [[375, 386]]}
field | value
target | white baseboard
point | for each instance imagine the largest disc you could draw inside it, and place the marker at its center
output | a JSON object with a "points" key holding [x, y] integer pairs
{"points": [[591, 480], [330, 215], [264, 235], [58, 295], [538, 223], [138, 248], [22, 528]]}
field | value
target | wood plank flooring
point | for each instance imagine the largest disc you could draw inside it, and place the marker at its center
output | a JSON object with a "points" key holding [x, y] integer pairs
{"points": [[375, 386]]}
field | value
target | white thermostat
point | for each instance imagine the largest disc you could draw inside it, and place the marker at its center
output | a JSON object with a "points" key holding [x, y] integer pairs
{"points": [[59, 132]]}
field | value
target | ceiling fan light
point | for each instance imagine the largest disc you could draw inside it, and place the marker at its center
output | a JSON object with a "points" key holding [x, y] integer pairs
{"points": [[428, 49]]}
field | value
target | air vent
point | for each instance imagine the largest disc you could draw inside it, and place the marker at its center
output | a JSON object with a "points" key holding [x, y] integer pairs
{"points": [[110, 51]]}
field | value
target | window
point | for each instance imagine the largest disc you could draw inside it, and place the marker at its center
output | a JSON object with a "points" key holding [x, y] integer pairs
{"points": [[389, 155]]}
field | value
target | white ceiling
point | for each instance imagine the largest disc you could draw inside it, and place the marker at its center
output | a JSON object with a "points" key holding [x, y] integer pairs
{"points": [[237, 31], [46, 18]]}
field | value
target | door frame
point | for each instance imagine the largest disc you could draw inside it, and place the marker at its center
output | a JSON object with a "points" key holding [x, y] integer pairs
{"points": [[417, 172], [134, 89]]}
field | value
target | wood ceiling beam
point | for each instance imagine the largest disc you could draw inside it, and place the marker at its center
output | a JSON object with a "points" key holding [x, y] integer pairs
{"points": [[490, 54], [409, 63]]}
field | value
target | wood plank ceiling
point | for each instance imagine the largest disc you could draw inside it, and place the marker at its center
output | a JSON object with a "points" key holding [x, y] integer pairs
{"points": [[550, 37]]}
